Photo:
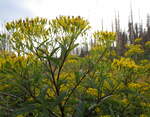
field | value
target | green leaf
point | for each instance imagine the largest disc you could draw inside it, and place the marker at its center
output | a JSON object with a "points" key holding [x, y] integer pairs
{"points": [[54, 60], [61, 81], [26, 108], [63, 49], [74, 46], [129, 91], [54, 51], [78, 75], [60, 98], [80, 109], [43, 92]]}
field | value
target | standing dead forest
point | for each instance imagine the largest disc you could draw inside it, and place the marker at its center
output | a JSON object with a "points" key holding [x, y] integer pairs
{"points": [[123, 38]]}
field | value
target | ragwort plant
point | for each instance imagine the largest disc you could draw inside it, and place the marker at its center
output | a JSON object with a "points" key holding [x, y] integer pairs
{"points": [[34, 78], [40, 77]]}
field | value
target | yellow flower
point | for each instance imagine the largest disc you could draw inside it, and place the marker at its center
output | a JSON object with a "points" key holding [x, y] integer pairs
{"points": [[30, 99], [145, 104], [104, 35], [147, 44], [50, 93], [126, 101], [135, 85], [145, 61], [104, 116], [124, 62], [71, 24], [20, 116], [138, 40], [72, 61], [143, 87], [63, 87], [2, 87], [143, 115], [92, 91], [67, 76], [97, 109], [134, 49], [113, 53]]}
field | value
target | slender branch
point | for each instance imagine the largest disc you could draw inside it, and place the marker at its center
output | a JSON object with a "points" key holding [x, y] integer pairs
{"points": [[51, 71], [6, 94], [82, 78], [53, 78], [58, 76], [52, 114], [63, 61]]}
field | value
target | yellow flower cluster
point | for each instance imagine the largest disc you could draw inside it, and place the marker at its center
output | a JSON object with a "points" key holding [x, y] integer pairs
{"points": [[13, 60], [142, 86], [70, 77], [2, 87], [134, 49], [104, 116], [145, 104], [125, 100], [137, 40], [6, 57], [147, 44], [97, 48], [143, 115], [97, 109], [113, 53], [35, 26], [50, 93], [104, 35], [70, 24], [30, 99], [92, 91], [72, 61], [144, 61], [19, 116], [124, 62], [135, 85], [67, 76], [64, 87], [1, 62]]}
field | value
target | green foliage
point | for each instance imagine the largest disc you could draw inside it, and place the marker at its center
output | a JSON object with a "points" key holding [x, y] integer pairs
{"points": [[40, 77]]}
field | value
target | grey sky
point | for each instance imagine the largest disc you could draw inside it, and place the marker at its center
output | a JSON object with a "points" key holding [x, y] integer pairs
{"points": [[13, 9], [93, 10]]}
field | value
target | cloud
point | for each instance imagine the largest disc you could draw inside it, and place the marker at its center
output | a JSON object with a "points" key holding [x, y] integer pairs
{"points": [[93, 10], [13, 9]]}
